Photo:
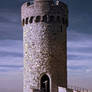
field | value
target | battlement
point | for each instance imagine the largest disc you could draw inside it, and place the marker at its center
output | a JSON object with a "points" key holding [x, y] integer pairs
{"points": [[58, 12], [46, 19]]}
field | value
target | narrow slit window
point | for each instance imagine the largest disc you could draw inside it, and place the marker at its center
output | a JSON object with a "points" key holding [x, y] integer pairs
{"points": [[44, 19], [58, 19], [23, 22], [38, 18], [66, 22], [61, 28], [27, 20], [31, 19], [51, 18], [63, 20]]}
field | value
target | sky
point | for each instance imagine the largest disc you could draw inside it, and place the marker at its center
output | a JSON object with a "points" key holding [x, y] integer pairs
{"points": [[79, 45]]}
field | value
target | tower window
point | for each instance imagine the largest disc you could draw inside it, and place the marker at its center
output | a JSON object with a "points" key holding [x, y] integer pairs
{"points": [[23, 22], [27, 20], [31, 19], [61, 28], [63, 20], [44, 19], [51, 18], [66, 22], [37, 19], [28, 3], [58, 19]]}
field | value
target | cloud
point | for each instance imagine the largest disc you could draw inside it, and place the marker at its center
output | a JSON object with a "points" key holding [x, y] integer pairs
{"points": [[10, 25], [11, 68], [79, 59], [11, 46], [79, 52], [11, 57], [13, 54]]}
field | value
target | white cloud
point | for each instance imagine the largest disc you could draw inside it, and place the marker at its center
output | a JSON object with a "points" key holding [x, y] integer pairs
{"points": [[11, 46], [79, 59], [80, 51], [80, 44], [11, 61]]}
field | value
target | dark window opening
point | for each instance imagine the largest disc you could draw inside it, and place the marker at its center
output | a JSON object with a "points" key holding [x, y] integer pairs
{"points": [[58, 19], [37, 19], [23, 22], [28, 3], [45, 83], [63, 20], [44, 19], [51, 18], [66, 22], [27, 20], [31, 19], [61, 28]]}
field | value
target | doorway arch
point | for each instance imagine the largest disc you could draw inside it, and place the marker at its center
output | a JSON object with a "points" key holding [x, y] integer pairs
{"points": [[45, 83]]}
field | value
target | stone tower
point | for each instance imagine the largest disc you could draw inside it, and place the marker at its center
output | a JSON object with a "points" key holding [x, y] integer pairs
{"points": [[45, 52]]}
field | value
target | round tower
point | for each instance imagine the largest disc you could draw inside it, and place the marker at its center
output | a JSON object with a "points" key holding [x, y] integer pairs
{"points": [[45, 52]]}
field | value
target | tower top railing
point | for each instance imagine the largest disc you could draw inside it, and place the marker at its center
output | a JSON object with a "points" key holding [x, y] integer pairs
{"points": [[79, 89]]}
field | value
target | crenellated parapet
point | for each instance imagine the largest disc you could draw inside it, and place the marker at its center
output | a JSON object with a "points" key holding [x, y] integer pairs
{"points": [[56, 13], [46, 19]]}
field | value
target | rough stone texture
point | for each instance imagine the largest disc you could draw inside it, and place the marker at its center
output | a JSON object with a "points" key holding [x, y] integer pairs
{"points": [[44, 46]]}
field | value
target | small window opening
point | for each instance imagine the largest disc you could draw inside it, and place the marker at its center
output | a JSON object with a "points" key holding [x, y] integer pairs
{"points": [[27, 20], [44, 19], [58, 19], [23, 22], [66, 22], [51, 18], [61, 28], [63, 20], [28, 3], [38, 19], [31, 19]]}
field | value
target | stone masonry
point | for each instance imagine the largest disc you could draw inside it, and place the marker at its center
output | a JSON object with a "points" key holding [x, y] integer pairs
{"points": [[44, 36]]}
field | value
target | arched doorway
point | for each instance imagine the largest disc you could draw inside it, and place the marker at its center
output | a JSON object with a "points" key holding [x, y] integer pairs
{"points": [[45, 83]]}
